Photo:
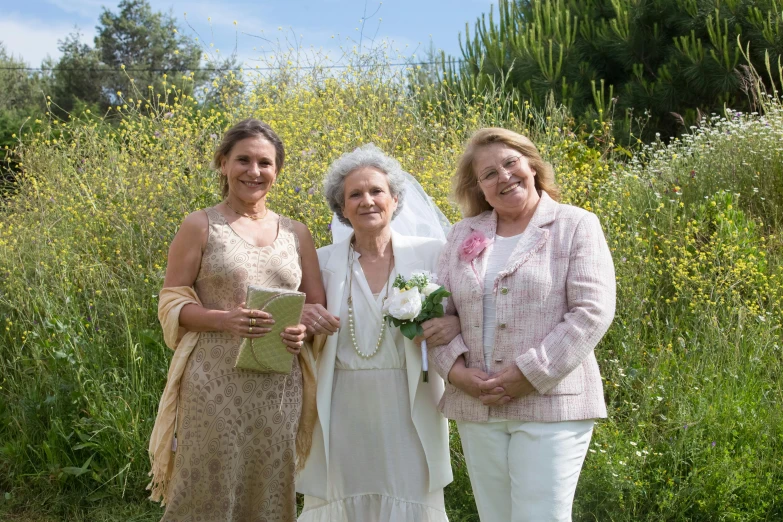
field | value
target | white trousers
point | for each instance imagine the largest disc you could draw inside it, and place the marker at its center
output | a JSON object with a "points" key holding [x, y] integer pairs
{"points": [[525, 471]]}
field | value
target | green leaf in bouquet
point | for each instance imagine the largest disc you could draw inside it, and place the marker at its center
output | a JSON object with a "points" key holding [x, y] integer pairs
{"points": [[409, 329], [439, 294]]}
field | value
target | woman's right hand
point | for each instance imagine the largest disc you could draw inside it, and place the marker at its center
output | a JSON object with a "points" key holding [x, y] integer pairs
{"points": [[318, 320], [440, 331], [467, 379], [247, 323]]}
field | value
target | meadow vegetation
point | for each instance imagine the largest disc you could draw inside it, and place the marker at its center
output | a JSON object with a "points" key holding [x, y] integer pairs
{"points": [[692, 364]]}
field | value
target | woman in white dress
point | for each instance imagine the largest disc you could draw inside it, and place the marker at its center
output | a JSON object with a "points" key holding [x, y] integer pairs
{"points": [[380, 448]]}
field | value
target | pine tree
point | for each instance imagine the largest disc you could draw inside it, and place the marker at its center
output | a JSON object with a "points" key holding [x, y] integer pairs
{"points": [[664, 63]]}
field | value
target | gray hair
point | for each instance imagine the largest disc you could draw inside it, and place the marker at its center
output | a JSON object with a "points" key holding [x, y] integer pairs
{"points": [[367, 155]]}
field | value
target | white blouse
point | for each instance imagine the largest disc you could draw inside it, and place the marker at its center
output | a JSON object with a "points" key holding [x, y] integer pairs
{"points": [[368, 319], [501, 250]]}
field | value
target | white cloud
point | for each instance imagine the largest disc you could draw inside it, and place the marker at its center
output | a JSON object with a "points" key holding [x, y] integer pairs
{"points": [[33, 40], [84, 8], [252, 36]]}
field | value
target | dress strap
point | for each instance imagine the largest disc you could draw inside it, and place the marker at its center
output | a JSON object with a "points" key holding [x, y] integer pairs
{"points": [[215, 217], [287, 225]]}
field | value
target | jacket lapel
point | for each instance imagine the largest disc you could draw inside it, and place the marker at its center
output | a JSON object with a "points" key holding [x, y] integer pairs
{"points": [[334, 272], [408, 261], [486, 224], [533, 239]]}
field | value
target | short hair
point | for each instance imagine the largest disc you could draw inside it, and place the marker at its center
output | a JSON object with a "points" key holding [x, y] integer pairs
{"points": [[248, 128], [367, 155], [465, 189]]}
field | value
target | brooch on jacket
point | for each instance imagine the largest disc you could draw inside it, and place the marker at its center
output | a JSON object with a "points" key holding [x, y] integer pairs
{"points": [[473, 245]]}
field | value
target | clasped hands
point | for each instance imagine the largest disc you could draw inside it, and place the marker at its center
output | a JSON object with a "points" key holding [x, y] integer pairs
{"points": [[491, 390], [254, 324]]}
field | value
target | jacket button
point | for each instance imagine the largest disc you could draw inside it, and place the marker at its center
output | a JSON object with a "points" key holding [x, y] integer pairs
{"points": [[504, 290], [502, 326], [498, 359]]}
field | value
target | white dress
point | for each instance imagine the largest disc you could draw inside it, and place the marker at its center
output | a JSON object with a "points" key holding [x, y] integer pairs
{"points": [[377, 468]]}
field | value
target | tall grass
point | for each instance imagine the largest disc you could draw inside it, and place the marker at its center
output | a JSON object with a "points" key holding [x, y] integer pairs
{"points": [[692, 364]]}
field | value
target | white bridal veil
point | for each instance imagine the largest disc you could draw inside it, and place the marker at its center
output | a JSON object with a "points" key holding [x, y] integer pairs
{"points": [[419, 216]]}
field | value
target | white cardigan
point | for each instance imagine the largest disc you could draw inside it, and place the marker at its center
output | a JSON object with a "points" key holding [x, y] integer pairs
{"points": [[411, 254]]}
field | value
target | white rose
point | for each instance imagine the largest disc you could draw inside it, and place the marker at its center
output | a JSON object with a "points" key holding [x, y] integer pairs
{"points": [[404, 306], [394, 293], [429, 289]]}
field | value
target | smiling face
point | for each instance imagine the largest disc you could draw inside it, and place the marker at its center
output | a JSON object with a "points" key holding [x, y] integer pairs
{"points": [[506, 178], [250, 169], [369, 205]]}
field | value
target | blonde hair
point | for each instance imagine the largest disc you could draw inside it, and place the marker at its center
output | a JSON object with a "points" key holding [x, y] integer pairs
{"points": [[465, 188]]}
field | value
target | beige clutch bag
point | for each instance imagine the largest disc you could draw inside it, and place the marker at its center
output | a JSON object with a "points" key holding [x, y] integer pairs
{"points": [[268, 354]]}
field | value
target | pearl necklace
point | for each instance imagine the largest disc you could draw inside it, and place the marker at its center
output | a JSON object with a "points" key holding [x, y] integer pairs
{"points": [[350, 309]]}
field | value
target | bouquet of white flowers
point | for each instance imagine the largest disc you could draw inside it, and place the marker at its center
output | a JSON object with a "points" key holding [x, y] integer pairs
{"points": [[411, 303]]}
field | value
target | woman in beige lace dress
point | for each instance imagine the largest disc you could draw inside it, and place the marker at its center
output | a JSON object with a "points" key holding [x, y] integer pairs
{"points": [[235, 453]]}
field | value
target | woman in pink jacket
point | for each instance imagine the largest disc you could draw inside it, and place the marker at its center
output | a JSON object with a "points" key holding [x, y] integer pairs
{"points": [[533, 285]]}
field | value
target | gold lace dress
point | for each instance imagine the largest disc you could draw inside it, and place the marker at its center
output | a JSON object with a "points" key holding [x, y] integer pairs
{"points": [[236, 429]]}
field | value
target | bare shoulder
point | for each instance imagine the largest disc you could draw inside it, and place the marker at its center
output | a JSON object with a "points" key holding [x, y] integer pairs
{"points": [[302, 233], [186, 249], [300, 229], [195, 222], [195, 227]]}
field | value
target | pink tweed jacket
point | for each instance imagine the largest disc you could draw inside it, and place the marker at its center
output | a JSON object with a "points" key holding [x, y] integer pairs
{"points": [[555, 300]]}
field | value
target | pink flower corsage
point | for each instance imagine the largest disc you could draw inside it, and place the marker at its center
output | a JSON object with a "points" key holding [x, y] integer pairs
{"points": [[473, 245]]}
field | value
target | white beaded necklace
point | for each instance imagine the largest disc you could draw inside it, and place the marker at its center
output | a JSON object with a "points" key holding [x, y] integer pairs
{"points": [[350, 309]]}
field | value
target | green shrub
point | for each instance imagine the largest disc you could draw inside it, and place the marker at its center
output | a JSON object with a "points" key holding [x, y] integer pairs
{"points": [[693, 357]]}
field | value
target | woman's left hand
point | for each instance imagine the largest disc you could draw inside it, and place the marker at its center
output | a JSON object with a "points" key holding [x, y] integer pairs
{"points": [[293, 337], [319, 320], [512, 382]]}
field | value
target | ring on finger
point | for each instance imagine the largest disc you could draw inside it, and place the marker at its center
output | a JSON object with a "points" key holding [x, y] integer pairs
{"points": [[252, 321], [250, 330], [319, 319]]}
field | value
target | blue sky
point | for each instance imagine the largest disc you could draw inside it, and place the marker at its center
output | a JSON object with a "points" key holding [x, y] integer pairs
{"points": [[31, 28]]}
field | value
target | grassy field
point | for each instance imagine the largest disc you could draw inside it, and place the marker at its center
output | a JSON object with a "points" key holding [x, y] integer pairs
{"points": [[692, 365]]}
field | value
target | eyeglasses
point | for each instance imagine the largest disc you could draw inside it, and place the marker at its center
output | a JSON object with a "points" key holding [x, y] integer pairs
{"points": [[510, 165]]}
